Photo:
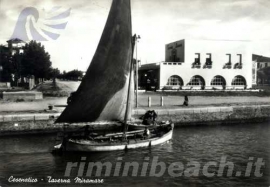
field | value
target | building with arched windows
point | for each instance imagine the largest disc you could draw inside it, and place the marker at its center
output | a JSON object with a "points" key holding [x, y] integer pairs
{"points": [[201, 64]]}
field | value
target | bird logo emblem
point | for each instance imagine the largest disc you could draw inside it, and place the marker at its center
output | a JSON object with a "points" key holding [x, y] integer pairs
{"points": [[41, 26]]}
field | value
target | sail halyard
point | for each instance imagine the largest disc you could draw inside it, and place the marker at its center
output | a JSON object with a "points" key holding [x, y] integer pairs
{"points": [[102, 93], [131, 80]]}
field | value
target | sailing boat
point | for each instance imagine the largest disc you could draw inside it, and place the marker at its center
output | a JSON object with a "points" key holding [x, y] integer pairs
{"points": [[105, 95]]}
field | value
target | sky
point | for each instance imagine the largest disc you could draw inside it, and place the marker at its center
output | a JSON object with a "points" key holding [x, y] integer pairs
{"points": [[158, 22]]}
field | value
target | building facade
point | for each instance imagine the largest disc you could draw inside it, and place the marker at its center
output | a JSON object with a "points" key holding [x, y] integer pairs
{"points": [[201, 64], [15, 45], [262, 61], [263, 65]]}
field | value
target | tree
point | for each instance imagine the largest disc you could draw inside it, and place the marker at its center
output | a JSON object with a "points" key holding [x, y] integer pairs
{"points": [[74, 75], [17, 67], [5, 64], [54, 72], [35, 61], [71, 75]]}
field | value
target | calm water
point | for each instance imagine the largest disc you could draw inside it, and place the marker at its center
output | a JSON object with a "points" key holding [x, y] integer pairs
{"points": [[28, 156]]}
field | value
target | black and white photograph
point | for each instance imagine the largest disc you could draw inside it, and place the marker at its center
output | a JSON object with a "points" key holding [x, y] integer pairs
{"points": [[135, 93]]}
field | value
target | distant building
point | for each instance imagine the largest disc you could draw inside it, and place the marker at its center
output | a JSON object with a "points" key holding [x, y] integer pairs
{"points": [[7, 52], [262, 63], [201, 64], [15, 45]]}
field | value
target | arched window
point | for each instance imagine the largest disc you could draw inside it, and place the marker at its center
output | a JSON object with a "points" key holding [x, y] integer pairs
{"points": [[239, 81], [196, 81], [218, 81], [175, 81]]}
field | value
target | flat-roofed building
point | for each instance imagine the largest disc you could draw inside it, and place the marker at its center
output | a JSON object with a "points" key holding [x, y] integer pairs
{"points": [[201, 64]]}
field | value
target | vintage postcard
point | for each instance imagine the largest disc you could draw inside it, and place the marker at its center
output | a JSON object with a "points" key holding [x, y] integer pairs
{"points": [[134, 93]]}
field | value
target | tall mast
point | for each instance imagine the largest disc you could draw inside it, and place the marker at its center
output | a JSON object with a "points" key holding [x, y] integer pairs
{"points": [[130, 89]]}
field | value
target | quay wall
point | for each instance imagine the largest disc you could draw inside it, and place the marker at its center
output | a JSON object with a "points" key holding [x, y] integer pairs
{"points": [[213, 115], [44, 123]]}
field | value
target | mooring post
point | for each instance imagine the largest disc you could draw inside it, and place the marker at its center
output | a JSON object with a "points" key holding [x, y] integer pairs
{"points": [[149, 101], [161, 101]]}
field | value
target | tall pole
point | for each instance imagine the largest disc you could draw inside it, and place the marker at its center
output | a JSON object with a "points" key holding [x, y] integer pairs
{"points": [[137, 72]]}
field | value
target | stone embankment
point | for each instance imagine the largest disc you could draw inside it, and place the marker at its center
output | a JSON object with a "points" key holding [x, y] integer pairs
{"points": [[44, 123], [212, 115]]}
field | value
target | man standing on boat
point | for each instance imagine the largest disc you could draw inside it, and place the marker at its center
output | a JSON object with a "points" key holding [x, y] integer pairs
{"points": [[149, 118]]}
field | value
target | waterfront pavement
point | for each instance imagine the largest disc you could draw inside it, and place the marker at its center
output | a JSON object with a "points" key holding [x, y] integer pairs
{"points": [[170, 102], [38, 110]]}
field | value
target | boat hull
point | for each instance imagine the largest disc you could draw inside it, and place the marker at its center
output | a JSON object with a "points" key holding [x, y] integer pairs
{"points": [[140, 126], [84, 147]]}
